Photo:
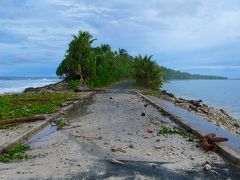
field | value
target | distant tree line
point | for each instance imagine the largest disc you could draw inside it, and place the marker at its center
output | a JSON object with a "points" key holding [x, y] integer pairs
{"points": [[170, 74], [101, 66]]}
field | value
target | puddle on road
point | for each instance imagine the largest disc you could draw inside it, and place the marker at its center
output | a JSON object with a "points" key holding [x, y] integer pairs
{"points": [[46, 136], [43, 137], [79, 110]]}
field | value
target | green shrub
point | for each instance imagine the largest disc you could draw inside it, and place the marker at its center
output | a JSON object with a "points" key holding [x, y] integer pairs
{"points": [[147, 72], [61, 122], [11, 108], [73, 84], [169, 131], [151, 92], [16, 153]]}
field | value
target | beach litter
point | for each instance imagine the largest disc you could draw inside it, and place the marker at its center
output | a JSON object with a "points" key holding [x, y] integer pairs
{"points": [[207, 167], [149, 130], [207, 142], [115, 161], [120, 149]]}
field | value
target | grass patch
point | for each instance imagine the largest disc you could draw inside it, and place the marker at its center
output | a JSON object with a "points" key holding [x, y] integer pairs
{"points": [[61, 122], [25, 105], [169, 131], [10, 127], [16, 153], [137, 86], [151, 92]]}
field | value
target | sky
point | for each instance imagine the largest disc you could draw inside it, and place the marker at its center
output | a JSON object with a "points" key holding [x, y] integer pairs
{"points": [[196, 36]]}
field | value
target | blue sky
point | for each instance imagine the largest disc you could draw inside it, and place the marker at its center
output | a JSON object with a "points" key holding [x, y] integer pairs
{"points": [[197, 36]]}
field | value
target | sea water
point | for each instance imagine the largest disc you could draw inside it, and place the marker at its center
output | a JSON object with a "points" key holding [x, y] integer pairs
{"points": [[18, 84], [224, 94]]}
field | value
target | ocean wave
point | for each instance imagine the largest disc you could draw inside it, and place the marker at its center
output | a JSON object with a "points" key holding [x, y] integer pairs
{"points": [[17, 86]]}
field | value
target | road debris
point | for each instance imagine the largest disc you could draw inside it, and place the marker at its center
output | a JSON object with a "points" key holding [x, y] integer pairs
{"points": [[207, 167], [149, 130], [131, 146], [24, 120], [115, 161], [149, 154], [71, 127], [207, 142], [120, 149]]}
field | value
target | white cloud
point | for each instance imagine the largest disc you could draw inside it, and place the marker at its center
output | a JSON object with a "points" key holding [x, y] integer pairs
{"points": [[151, 27]]}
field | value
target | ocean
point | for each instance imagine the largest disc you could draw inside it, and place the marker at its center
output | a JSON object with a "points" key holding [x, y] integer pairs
{"points": [[224, 94], [18, 84]]}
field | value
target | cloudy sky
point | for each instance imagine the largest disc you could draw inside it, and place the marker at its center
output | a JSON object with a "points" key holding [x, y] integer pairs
{"points": [[197, 36]]}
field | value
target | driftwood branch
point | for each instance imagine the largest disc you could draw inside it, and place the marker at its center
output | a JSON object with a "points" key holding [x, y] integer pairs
{"points": [[89, 90], [29, 100], [115, 161], [22, 120], [71, 127]]}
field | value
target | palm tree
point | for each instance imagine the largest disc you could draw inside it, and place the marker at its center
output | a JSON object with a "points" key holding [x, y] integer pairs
{"points": [[122, 52], [78, 56], [81, 52], [147, 72], [106, 48]]}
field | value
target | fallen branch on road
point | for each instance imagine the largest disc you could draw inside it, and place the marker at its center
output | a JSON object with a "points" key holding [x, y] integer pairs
{"points": [[71, 127], [29, 100], [115, 161], [23, 120]]}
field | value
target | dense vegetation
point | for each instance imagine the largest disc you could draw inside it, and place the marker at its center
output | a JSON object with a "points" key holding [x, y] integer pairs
{"points": [[147, 72], [101, 66], [25, 105], [172, 74]]}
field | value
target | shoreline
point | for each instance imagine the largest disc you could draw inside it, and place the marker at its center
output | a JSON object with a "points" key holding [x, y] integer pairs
{"points": [[116, 128], [214, 115], [214, 93], [12, 85]]}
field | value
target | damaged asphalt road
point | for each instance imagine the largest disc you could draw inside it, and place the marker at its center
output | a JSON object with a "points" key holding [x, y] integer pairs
{"points": [[85, 151]]}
